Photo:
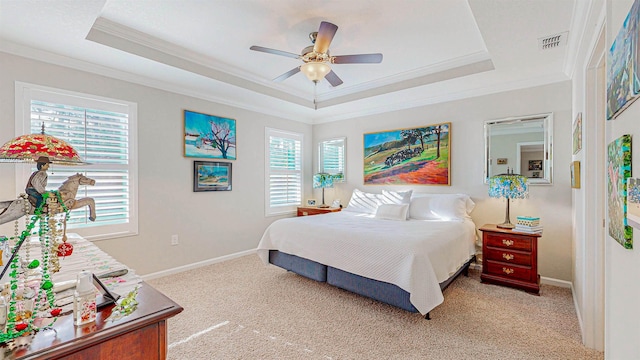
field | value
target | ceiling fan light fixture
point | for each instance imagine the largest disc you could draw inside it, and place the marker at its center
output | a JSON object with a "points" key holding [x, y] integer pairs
{"points": [[315, 71]]}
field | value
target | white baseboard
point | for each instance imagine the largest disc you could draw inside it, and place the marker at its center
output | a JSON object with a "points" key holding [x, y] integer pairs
{"points": [[180, 269], [556, 282]]}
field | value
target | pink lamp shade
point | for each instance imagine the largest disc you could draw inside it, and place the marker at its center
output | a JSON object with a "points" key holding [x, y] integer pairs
{"points": [[28, 148]]}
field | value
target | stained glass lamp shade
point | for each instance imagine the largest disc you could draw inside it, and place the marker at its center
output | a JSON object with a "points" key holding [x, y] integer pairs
{"points": [[28, 148], [322, 181], [509, 186]]}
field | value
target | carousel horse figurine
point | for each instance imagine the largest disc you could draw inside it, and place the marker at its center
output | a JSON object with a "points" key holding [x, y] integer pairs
{"points": [[14, 209]]}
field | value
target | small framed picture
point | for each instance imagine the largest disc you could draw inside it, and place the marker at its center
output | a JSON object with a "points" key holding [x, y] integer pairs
{"points": [[502, 161], [211, 176], [575, 174], [311, 202], [535, 164], [535, 174]]}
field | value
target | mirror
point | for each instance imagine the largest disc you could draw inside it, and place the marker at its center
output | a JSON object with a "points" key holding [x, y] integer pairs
{"points": [[332, 158], [522, 144]]}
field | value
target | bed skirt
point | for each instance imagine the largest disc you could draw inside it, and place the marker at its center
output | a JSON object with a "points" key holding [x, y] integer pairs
{"points": [[378, 290]]}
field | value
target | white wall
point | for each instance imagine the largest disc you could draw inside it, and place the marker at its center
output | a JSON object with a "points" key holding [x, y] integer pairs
{"points": [[551, 202], [209, 224], [622, 274]]}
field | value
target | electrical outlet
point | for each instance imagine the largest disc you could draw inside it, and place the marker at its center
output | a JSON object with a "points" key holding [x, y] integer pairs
{"points": [[174, 240]]}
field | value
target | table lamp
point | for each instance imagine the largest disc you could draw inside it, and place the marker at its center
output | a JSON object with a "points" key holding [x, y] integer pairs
{"points": [[322, 181], [509, 186]]}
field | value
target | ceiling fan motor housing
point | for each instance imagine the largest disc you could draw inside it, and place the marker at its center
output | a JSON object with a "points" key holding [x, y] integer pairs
{"points": [[308, 55]]}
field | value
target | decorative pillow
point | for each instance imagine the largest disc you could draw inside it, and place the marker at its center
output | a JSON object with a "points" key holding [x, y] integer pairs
{"points": [[396, 197], [440, 206], [363, 202], [392, 212]]}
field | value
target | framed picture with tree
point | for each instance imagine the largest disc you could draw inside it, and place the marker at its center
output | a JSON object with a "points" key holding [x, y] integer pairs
{"points": [[209, 136]]}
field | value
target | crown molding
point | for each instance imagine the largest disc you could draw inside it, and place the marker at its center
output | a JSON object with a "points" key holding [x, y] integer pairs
{"points": [[126, 39], [443, 98], [80, 65]]}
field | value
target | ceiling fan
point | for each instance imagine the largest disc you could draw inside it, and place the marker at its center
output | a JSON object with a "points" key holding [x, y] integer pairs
{"points": [[316, 57]]}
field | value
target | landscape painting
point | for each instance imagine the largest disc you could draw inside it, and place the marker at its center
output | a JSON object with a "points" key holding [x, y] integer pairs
{"points": [[211, 176], [417, 156], [618, 171], [208, 136], [622, 65]]}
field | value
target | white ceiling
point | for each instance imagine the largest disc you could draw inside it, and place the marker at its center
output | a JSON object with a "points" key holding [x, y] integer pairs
{"points": [[434, 50]]}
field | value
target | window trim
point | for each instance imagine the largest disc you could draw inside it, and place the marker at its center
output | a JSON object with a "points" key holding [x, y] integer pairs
{"points": [[284, 210], [23, 98]]}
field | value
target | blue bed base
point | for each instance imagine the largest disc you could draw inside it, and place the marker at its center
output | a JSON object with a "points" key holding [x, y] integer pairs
{"points": [[378, 290]]}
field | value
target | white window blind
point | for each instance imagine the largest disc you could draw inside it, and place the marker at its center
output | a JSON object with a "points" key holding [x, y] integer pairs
{"points": [[284, 171], [102, 133], [332, 158]]}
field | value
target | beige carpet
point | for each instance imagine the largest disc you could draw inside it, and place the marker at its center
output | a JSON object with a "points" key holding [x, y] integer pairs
{"points": [[243, 309]]}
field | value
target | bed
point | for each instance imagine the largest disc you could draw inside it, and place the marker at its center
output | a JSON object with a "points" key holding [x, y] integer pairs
{"points": [[396, 247]]}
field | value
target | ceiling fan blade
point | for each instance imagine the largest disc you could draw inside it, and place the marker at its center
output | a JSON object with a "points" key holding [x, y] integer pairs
{"points": [[333, 79], [357, 59], [325, 35], [274, 51], [288, 74]]}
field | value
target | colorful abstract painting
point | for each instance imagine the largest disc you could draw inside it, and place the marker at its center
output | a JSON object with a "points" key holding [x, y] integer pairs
{"points": [[208, 136], [622, 77], [618, 170], [418, 156]]}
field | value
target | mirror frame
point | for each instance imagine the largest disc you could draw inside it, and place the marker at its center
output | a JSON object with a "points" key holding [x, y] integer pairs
{"points": [[547, 165], [321, 154]]}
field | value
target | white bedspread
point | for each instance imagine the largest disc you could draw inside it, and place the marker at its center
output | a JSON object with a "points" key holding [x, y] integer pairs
{"points": [[415, 255]]}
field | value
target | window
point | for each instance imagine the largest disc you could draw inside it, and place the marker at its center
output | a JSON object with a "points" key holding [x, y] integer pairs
{"points": [[332, 158], [103, 132], [283, 170]]}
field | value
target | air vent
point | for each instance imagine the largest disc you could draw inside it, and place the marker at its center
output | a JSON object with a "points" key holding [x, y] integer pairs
{"points": [[553, 41]]}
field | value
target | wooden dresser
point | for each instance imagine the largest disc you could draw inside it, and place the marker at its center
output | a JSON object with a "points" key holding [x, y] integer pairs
{"points": [[314, 210], [510, 258]]}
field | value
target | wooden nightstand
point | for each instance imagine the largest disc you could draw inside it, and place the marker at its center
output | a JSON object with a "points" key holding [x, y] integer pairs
{"points": [[314, 210], [510, 258]]}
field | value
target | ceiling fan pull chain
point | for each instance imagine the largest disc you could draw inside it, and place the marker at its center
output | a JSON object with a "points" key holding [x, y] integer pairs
{"points": [[315, 95]]}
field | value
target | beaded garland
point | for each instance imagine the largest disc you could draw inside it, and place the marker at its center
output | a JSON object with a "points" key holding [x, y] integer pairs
{"points": [[21, 314]]}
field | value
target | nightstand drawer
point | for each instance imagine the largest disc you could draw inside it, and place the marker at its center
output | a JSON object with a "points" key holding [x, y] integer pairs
{"points": [[508, 270], [510, 241], [508, 256]]}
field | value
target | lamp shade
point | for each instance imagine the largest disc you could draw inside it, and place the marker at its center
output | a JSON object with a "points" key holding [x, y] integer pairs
{"points": [[510, 186], [30, 147], [315, 71], [322, 180]]}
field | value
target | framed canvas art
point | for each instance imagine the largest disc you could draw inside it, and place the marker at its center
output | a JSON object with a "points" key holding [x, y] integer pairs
{"points": [[618, 170], [209, 136], [418, 156], [575, 174], [211, 176], [577, 134], [622, 66], [633, 202]]}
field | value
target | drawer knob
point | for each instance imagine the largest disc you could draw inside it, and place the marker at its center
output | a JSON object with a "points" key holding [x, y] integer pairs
{"points": [[507, 256], [507, 271], [304, 213], [507, 242]]}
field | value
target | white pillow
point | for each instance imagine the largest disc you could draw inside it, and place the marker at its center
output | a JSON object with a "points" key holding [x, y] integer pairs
{"points": [[396, 197], [440, 206], [392, 212], [363, 202]]}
